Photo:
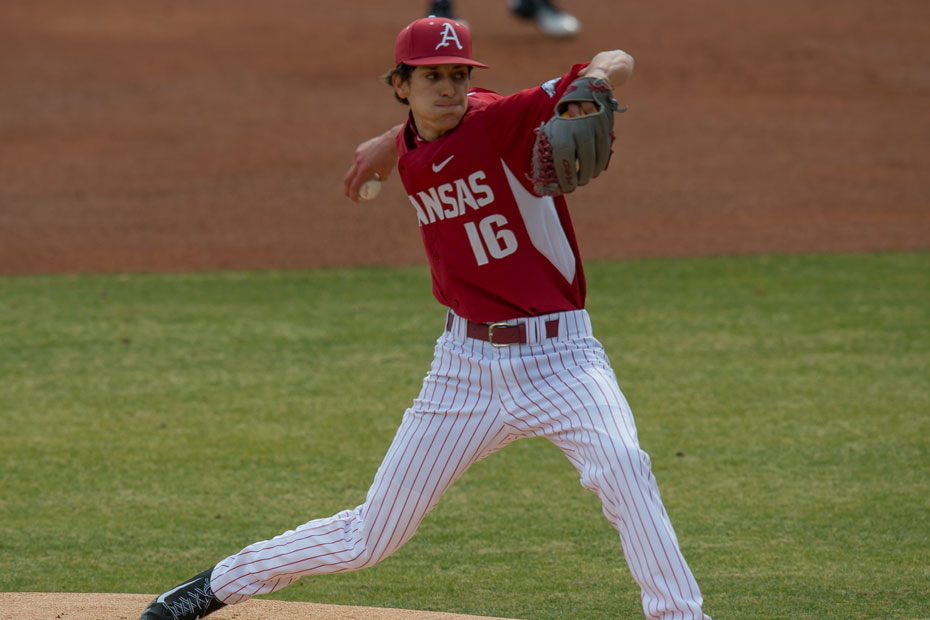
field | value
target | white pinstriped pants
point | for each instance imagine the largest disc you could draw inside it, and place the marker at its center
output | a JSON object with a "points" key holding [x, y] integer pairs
{"points": [[475, 400]]}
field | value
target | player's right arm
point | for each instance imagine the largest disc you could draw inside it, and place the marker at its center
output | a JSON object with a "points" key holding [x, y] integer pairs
{"points": [[375, 156]]}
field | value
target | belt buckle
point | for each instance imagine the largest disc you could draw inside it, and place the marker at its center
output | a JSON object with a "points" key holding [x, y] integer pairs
{"points": [[491, 335]]}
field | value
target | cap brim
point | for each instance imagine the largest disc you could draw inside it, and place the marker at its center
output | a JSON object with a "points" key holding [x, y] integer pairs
{"points": [[444, 60]]}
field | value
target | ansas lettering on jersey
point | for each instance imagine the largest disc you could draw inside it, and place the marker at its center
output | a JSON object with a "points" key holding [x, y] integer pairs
{"points": [[450, 200]]}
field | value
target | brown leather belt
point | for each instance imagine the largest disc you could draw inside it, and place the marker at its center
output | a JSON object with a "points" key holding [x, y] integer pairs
{"points": [[502, 334]]}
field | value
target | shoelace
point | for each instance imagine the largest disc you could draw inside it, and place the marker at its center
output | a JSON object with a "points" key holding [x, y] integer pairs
{"points": [[195, 601]]}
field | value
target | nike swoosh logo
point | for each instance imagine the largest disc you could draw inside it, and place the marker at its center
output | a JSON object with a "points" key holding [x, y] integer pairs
{"points": [[442, 164], [161, 598]]}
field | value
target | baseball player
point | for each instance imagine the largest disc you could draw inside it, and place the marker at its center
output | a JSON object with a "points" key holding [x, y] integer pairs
{"points": [[550, 20], [485, 175]]}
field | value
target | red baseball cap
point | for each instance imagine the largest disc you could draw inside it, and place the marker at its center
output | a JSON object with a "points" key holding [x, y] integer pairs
{"points": [[434, 41]]}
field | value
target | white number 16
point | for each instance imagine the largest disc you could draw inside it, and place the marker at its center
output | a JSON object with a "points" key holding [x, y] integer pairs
{"points": [[499, 241]]}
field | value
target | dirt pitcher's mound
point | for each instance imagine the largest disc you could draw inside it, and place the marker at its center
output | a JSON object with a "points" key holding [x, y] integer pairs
{"points": [[41, 606]]}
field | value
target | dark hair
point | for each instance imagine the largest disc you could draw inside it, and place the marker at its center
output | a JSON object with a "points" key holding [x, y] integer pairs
{"points": [[403, 71]]}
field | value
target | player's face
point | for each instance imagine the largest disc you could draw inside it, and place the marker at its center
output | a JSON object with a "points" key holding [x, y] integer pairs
{"points": [[438, 98]]}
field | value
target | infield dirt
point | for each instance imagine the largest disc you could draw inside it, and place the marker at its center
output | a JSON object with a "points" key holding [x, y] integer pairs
{"points": [[175, 135], [40, 606]]}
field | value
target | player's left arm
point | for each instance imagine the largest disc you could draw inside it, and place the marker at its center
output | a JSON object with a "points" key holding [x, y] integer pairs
{"points": [[615, 66], [576, 143], [376, 156]]}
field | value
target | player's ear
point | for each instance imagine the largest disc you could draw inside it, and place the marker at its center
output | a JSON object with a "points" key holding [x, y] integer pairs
{"points": [[401, 86]]}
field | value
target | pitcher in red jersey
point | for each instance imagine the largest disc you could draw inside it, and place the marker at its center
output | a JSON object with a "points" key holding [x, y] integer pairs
{"points": [[516, 357]]}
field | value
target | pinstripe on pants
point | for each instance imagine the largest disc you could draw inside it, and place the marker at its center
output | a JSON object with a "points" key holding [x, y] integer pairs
{"points": [[475, 400]]}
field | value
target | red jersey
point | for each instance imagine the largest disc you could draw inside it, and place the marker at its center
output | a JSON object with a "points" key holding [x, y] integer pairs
{"points": [[496, 250]]}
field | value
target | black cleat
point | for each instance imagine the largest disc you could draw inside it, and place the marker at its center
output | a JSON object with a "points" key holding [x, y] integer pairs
{"points": [[549, 19], [191, 600], [441, 8]]}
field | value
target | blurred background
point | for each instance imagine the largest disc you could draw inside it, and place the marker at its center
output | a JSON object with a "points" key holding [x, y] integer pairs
{"points": [[173, 135]]}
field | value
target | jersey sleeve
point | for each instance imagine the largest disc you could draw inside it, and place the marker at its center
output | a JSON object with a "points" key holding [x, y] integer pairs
{"points": [[514, 119]]}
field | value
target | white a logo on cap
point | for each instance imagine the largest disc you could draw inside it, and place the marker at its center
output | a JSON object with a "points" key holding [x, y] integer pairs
{"points": [[448, 35]]}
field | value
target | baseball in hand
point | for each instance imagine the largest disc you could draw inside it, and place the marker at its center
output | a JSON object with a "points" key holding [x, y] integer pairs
{"points": [[370, 188]]}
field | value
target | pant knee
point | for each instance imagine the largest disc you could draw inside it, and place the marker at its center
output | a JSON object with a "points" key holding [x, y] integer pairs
{"points": [[617, 471]]}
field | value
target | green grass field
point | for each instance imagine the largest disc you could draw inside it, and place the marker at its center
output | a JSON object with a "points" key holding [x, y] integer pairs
{"points": [[150, 425]]}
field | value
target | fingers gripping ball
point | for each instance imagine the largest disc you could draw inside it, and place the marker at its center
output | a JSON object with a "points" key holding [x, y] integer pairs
{"points": [[571, 150], [370, 188]]}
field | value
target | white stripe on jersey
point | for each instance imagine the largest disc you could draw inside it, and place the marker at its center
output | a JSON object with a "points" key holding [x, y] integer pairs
{"points": [[543, 225]]}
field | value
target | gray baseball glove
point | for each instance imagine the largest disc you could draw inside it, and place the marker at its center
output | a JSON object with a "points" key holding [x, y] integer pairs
{"points": [[570, 151]]}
